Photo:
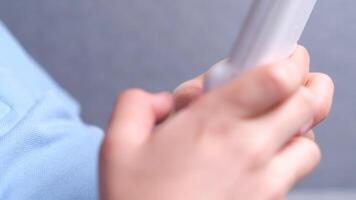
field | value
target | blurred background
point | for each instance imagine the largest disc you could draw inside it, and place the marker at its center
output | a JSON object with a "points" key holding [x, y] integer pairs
{"points": [[97, 48]]}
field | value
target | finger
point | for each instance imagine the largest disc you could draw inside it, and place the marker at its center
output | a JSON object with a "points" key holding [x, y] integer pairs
{"points": [[299, 158], [322, 87], [303, 59], [260, 89], [290, 118], [135, 115], [188, 92]]}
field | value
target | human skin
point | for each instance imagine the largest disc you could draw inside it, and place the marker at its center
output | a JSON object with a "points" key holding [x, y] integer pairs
{"points": [[249, 139]]}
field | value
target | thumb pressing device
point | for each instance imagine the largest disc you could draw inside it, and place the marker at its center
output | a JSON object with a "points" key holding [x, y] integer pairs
{"points": [[270, 32]]}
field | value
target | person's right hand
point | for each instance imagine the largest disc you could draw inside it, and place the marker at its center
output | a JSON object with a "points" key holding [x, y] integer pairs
{"points": [[236, 142]]}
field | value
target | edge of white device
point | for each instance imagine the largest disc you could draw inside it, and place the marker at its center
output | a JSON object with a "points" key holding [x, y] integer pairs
{"points": [[270, 32]]}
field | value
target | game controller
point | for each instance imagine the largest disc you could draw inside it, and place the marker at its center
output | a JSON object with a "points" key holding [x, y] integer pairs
{"points": [[270, 32]]}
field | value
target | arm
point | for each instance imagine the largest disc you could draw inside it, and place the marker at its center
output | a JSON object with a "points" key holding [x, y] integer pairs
{"points": [[46, 151]]}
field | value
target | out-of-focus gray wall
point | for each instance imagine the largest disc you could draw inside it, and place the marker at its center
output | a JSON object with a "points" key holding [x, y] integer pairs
{"points": [[97, 48]]}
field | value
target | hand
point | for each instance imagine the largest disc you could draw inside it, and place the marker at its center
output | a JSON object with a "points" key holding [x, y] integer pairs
{"points": [[191, 90], [236, 142]]}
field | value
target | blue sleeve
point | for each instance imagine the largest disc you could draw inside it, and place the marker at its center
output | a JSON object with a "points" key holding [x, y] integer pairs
{"points": [[46, 151]]}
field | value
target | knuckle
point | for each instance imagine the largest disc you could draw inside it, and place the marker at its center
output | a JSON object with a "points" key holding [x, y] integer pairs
{"points": [[307, 100], [128, 97], [255, 151], [131, 94], [279, 78]]}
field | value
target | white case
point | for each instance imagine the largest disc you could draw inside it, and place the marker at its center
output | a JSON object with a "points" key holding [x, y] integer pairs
{"points": [[270, 32]]}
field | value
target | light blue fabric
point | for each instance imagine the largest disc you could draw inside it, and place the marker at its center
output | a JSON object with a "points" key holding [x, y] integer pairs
{"points": [[46, 151]]}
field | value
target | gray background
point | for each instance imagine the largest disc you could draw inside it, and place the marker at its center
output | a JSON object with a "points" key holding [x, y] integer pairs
{"points": [[97, 48]]}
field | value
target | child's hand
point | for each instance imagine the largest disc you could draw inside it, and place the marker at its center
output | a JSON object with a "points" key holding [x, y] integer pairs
{"points": [[236, 142], [191, 90]]}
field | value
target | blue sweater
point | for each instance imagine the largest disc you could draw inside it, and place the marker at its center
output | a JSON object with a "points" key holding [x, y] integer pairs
{"points": [[46, 151]]}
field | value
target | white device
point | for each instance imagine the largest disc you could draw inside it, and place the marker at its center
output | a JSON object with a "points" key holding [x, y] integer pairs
{"points": [[270, 32]]}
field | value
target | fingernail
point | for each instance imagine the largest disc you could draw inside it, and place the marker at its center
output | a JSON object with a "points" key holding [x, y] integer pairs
{"points": [[307, 127]]}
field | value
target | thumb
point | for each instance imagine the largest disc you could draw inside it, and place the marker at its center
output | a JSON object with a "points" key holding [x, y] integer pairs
{"points": [[188, 92], [135, 115]]}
